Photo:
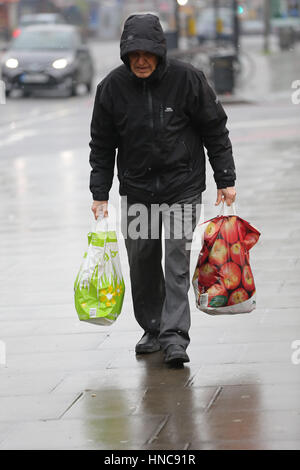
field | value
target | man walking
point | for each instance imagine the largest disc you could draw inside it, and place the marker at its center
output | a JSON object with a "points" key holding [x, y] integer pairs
{"points": [[158, 114]]}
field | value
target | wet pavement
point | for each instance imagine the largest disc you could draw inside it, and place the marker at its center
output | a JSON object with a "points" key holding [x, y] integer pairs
{"points": [[70, 385]]}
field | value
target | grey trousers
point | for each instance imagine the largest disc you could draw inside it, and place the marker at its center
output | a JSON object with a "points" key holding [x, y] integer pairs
{"points": [[160, 299]]}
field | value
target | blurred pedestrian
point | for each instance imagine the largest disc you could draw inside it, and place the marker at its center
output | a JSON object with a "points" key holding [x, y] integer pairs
{"points": [[158, 113]]}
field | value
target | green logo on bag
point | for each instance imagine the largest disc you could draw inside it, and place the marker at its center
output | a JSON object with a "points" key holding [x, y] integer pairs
{"points": [[218, 301]]}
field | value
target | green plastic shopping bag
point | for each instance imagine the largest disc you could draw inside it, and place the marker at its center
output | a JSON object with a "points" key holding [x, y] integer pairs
{"points": [[99, 286]]}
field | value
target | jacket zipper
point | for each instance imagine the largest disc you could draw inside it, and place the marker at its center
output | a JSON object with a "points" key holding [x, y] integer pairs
{"points": [[151, 118], [161, 115], [150, 104]]}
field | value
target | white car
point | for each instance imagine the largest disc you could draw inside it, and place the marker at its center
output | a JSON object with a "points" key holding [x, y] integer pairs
{"points": [[47, 57]]}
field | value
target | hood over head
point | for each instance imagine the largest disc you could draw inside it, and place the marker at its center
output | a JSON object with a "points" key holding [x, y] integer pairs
{"points": [[143, 33]]}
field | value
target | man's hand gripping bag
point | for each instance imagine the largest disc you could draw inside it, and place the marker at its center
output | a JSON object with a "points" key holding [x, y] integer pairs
{"points": [[99, 286], [223, 281]]}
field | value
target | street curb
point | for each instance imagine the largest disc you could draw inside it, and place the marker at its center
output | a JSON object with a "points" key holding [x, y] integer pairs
{"points": [[235, 99]]}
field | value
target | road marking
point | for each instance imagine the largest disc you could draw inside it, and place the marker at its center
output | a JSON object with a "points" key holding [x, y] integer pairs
{"points": [[15, 125], [66, 112], [263, 123], [260, 135], [13, 138]]}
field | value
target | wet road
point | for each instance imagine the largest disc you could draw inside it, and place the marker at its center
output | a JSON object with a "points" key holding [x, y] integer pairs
{"points": [[75, 386]]}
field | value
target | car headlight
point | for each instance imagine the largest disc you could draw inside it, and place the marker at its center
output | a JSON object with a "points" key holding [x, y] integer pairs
{"points": [[12, 63], [60, 64]]}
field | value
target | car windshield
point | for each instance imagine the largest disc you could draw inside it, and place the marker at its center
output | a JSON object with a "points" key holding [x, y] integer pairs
{"points": [[28, 20], [35, 21], [45, 40]]}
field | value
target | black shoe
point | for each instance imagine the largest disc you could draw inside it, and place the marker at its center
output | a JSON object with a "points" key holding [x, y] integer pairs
{"points": [[147, 344], [175, 355]]}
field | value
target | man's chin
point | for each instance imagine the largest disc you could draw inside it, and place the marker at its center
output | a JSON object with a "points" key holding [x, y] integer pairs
{"points": [[143, 74]]}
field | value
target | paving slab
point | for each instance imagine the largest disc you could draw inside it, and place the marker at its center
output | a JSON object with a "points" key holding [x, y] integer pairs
{"points": [[126, 378], [41, 407], [112, 433], [177, 401], [248, 373], [243, 444], [42, 343], [233, 426], [266, 397], [53, 361], [14, 384], [106, 403]]}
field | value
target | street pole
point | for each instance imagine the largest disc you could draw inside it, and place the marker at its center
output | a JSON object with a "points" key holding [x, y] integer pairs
{"points": [[236, 27], [216, 8], [177, 22], [267, 28]]}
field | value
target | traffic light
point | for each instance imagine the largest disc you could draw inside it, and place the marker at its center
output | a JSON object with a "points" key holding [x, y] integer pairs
{"points": [[241, 7]]}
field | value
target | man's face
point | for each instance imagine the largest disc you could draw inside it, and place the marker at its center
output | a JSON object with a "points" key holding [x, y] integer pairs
{"points": [[142, 63]]}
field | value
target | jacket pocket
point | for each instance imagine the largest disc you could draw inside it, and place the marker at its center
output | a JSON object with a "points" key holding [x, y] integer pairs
{"points": [[180, 156]]}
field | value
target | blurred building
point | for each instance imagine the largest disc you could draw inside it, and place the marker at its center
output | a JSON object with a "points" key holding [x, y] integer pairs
{"points": [[254, 9], [104, 19], [36, 6], [291, 7], [8, 18]]}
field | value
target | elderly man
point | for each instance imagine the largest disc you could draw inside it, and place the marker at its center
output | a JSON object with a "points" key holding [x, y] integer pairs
{"points": [[159, 114]]}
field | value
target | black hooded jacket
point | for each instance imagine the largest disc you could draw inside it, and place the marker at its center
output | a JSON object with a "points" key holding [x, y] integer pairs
{"points": [[158, 125]]}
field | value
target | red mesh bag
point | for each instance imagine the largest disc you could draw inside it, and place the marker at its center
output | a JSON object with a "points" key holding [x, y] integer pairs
{"points": [[223, 281]]}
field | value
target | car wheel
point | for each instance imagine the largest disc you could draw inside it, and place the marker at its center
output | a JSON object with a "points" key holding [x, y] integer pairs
{"points": [[89, 87], [74, 90], [71, 90], [71, 86]]}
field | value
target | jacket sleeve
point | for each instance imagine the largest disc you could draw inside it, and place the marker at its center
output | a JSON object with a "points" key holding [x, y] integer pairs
{"points": [[103, 144], [210, 119]]}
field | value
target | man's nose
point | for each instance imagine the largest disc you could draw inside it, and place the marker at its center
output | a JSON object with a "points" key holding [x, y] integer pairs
{"points": [[141, 60]]}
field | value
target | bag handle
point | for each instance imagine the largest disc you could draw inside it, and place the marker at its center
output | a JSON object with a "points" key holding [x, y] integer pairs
{"points": [[230, 209], [101, 224]]}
